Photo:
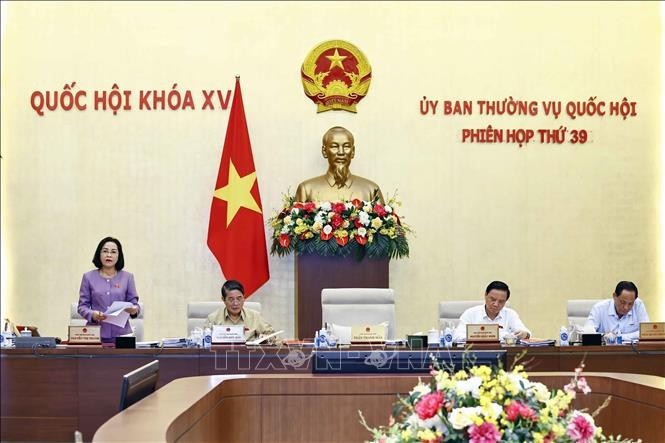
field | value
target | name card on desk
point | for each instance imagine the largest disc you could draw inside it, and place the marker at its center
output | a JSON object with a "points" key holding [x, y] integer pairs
{"points": [[482, 333], [228, 334], [654, 330], [368, 334], [85, 335]]}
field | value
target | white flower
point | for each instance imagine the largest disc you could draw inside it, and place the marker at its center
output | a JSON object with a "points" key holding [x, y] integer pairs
{"points": [[320, 218], [348, 205], [367, 207], [285, 230], [471, 385], [435, 421], [421, 388], [362, 232], [327, 229], [540, 392], [388, 209], [295, 211], [376, 223], [521, 382], [288, 220], [363, 217], [326, 206], [460, 418]]}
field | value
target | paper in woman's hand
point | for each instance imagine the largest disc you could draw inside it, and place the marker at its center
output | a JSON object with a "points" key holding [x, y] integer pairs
{"points": [[116, 314], [118, 306]]}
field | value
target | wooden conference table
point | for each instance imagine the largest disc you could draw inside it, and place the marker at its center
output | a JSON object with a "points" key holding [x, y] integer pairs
{"points": [[47, 394], [319, 408]]}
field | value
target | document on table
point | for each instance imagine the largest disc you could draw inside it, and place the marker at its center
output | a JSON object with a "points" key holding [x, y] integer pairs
{"points": [[116, 314], [260, 340], [537, 342]]}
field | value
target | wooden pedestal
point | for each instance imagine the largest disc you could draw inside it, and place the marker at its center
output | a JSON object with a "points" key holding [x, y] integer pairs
{"points": [[313, 273]]}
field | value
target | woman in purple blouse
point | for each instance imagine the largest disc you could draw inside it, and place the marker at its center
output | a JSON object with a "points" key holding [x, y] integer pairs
{"points": [[106, 284]]}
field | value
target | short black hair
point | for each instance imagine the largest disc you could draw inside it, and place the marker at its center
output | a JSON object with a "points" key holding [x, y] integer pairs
{"points": [[121, 257], [499, 286], [231, 285], [625, 286]]}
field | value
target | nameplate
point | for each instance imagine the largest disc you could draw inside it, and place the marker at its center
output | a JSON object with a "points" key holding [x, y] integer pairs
{"points": [[85, 335], [654, 330], [482, 333], [368, 334], [228, 334]]}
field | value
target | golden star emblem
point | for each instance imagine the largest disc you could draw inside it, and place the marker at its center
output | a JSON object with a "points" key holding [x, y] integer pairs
{"points": [[237, 193], [336, 60]]}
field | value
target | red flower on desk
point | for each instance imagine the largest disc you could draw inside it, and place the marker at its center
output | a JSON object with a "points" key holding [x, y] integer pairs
{"points": [[429, 405], [336, 220], [516, 409], [484, 433], [581, 428], [338, 207]]}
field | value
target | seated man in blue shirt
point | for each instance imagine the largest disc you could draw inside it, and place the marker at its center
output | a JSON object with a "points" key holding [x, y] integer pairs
{"points": [[622, 314]]}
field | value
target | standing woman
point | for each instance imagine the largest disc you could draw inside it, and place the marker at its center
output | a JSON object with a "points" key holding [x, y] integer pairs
{"points": [[106, 284]]}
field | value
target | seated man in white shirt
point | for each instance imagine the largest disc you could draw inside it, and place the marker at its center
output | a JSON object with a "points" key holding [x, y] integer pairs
{"points": [[622, 314], [493, 311]]}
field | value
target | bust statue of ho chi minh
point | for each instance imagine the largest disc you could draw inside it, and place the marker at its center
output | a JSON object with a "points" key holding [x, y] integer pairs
{"points": [[338, 184]]}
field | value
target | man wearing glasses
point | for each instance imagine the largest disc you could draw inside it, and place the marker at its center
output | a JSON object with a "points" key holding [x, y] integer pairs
{"points": [[233, 313]]}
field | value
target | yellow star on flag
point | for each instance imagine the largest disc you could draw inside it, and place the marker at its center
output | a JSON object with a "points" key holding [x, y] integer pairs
{"points": [[336, 60], [237, 193]]}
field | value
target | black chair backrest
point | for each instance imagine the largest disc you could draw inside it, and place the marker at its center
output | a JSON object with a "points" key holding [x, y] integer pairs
{"points": [[138, 384]]}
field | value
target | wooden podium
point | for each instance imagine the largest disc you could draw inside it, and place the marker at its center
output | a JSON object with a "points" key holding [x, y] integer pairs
{"points": [[314, 272]]}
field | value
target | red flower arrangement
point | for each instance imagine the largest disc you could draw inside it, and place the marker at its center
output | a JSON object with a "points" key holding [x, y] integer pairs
{"points": [[360, 228]]}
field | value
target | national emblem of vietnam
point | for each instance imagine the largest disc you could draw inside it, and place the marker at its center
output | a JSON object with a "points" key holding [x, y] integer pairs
{"points": [[336, 75]]}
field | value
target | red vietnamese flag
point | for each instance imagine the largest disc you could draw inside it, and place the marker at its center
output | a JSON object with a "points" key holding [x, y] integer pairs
{"points": [[236, 233]]}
